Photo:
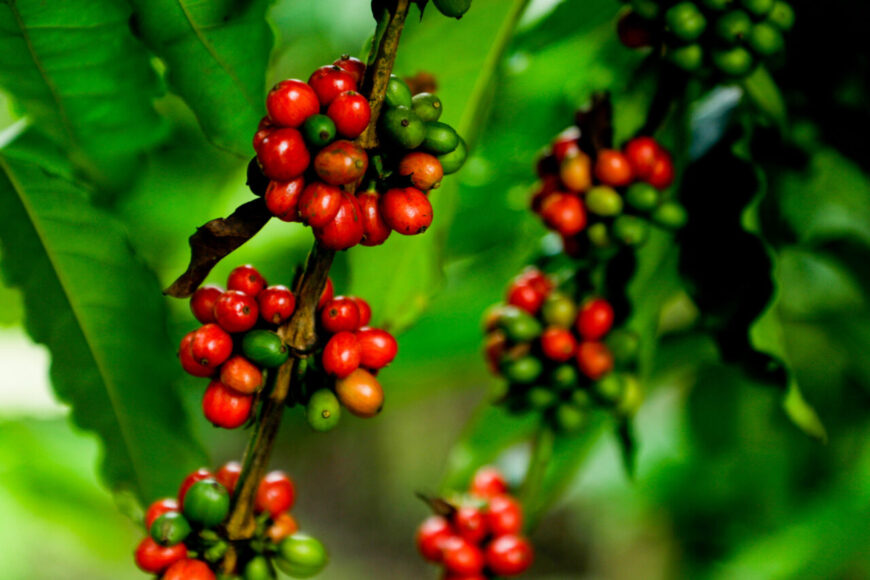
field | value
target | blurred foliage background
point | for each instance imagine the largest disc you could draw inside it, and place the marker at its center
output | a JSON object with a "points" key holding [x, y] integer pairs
{"points": [[725, 486]]}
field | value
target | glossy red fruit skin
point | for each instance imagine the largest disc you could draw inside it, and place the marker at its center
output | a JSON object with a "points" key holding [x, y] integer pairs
{"points": [[198, 475], [375, 229], [351, 114], [423, 169], [158, 508], [264, 127], [461, 557], [566, 144], [662, 175], [378, 347], [189, 570], [488, 482], [319, 203], [595, 319], [346, 228], [211, 345], [277, 303], [524, 296], [537, 279], [558, 344], [236, 311], [202, 302], [341, 355], [642, 153], [341, 162], [282, 198], [548, 184], [290, 102], [275, 494], [594, 359], [564, 213], [190, 364], [352, 66], [153, 558], [504, 515], [327, 294], [407, 210], [283, 155], [330, 81], [612, 168], [340, 313], [430, 535], [365, 311], [224, 407], [470, 523], [241, 375], [509, 555], [228, 475]]}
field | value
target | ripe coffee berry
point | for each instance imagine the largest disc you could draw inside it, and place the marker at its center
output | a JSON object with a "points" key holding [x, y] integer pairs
{"points": [[613, 168], [346, 228], [327, 294], [341, 162], [283, 525], [264, 127], [509, 555], [330, 81], [488, 482], [225, 407], [283, 155], [290, 102], [211, 345], [229, 474], [365, 311], [282, 198], [189, 570], [352, 66], [276, 303], [375, 230], [360, 393], [276, 493], [202, 302], [340, 313], [525, 296], [431, 536], [236, 311], [406, 210], [153, 558], [378, 348], [424, 170], [319, 203], [351, 114], [662, 174], [558, 344], [595, 319], [241, 375], [188, 362], [470, 524], [504, 515], [341, 355], [594, 359], [461, 557], [642, 154], [564, 213]]}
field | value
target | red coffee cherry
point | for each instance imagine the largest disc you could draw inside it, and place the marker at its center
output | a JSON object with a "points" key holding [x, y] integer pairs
{"points": [[228, 475], [246, 279], [190, 365], [378, 347], [524, 296], [575, 172], [276, 493], [406, 210], [241, 375], [564, 213], [158, 508], [423, 169], [352, 66], [330, 81], [189, 570], [198, 475], [558, 344], [224, 407], [594, 319], [277, 303], [594, 359], [365, 311], [360, 393], [351, 114], [449, 576], [319, 203], [211, 345], [662, 175], [341, 162], [504, 515], [612, 168], [236, 311], [283, 525], [282, 155], [202, 302], [263, 128], [340, 313], [566, 144], [290, 102], [341, 355], [488, 482], [537, 279], [431, 535], [642, 153], [461, 557], [470, 523], [327, 294], [375, 229], [509, 555], [346, 228], [282, 198], [153, 558]]}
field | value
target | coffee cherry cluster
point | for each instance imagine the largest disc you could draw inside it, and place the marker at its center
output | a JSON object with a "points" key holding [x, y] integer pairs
{"points": [[728, 37], [558, 354], [309, 169], [604, 198], [237, 344], [343, 368], [185, 540], [478, 535]]}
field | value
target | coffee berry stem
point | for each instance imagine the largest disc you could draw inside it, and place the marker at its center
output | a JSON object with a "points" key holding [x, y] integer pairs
{"points": [[542, 452]]}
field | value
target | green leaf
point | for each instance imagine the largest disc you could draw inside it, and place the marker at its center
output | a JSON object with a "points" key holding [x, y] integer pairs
{"points": [[763, 93], [99, 310], [216, 52], [83, 79]]}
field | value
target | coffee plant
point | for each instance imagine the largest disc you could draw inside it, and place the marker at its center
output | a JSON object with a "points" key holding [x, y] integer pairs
{"points": [[649, 217]]}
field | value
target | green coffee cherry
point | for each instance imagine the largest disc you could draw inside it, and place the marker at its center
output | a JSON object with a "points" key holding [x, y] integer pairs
{"points": [[258, 568], [736, 62], [609, 388], [265, 348], [564, 377], [398, 94], [581, 398], [206, 503], [630, 230], [604, 201], [688, 58], [642, 197], [671, 215], [319, 130], [559, 310], [624, 345], [734, 26], [685, 21], [647, 9], [631, 397], [569, 418], [758, 8], [323, 410], [598, 235], [541, 398], [765, 39], [403, 127], [216, 552], [427, 106], [519, 325], [440, 138], [523, 371], [301, 556], [169, 529], [782, 16], [452, 8], [453, 161]]}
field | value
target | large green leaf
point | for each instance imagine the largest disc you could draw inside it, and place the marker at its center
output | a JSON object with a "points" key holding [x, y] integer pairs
{"points": [[83, 78], [99, 310], [216, 52]]}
